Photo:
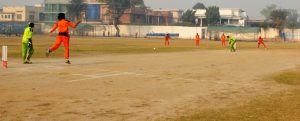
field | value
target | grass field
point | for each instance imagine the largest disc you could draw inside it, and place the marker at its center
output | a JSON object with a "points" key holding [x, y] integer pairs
{"points": [[125, 79], [81, 46], [281, 106]]}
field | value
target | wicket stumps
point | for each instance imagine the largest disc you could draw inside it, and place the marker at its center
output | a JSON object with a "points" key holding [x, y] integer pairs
{"points": [[4, 56]]}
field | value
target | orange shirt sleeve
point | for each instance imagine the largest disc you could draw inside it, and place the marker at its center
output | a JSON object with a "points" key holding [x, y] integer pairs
{"points": [[54, 27], [71, 24]]}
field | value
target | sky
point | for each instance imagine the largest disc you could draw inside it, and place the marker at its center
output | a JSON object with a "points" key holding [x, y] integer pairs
{"points": [[252, 7]]}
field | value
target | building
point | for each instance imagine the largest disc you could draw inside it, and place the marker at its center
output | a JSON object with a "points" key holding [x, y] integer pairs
{"points": [[292, 15], [137, 15], [95, 11], [20, 13], [228, 16], [160, 17], [143, 15], [255, 23], [177, 15], [39, 9], [53, 7]]}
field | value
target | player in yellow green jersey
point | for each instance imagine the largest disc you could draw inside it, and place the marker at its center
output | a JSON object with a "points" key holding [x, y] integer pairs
{"points": [[27, 47]]}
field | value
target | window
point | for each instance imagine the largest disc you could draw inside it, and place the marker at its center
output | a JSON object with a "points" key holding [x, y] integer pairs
{"points": [[55, 8], [8, 16], [47, 7], [31, 17], [1, 16], [5, 17], [19, 16], [63, 8]]}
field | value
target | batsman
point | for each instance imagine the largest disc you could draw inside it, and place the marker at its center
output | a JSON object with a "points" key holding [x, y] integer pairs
{"points": [[232, 42], [27, 46]]}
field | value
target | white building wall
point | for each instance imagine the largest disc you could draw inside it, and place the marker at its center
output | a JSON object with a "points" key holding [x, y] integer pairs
{"points": [[177, 15], [226, 13], [57, 1], [131, 30], [270, 34], [6, 17], [22, 13], [184, 32], [292, 34], [19, 11]]}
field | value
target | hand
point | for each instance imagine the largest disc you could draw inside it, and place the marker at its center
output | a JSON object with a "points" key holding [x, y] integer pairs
{"points": [[29, 44], [50, 34], [78, 22]]}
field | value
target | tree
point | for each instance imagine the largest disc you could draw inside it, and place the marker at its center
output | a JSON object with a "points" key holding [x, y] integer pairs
{"points": [[139, 3], [117, 9], [265, 26], [266, 12], [279, 17], [75, 8], [199, 6], [212, 15], [292, 18], [292, 21], [188, 17]]}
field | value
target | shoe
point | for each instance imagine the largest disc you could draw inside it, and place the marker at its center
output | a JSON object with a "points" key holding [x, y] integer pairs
{"points": [[68, 62], [27, 62], [48, 52]]}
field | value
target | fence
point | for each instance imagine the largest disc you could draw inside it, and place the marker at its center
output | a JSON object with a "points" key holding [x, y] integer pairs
{"points": [[132, 30], [161, 35], [16, 28], [292, 34], [240, 33]]}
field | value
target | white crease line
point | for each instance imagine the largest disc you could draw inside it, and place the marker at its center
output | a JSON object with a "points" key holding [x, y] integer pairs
{"points": [[52, 67], [186, 79], [96, 77], [147, 75], [24, 68], [150, 75], [85, 75]]}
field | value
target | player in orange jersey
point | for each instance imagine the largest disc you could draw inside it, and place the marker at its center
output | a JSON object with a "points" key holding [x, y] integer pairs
{"points": [[167, 39], [63, 35], [197, 40], [223, 39], [261, 41]]}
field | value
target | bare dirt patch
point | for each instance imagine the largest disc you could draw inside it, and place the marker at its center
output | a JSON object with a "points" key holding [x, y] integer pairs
{"points": [[138, 87]]}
